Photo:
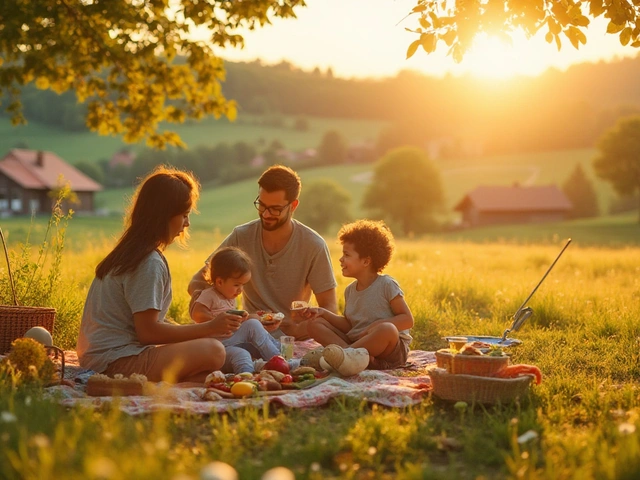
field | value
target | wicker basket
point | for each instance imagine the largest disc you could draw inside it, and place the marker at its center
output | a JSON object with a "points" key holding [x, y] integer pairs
{"points": [[15, 321], [472, 388], [481, 365]]}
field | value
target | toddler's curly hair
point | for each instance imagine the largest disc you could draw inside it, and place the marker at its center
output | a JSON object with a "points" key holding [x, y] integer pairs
{"points": [[371, 239]]}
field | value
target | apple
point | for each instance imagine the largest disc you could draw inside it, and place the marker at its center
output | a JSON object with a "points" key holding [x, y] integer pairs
{"points": [[277, 363]]}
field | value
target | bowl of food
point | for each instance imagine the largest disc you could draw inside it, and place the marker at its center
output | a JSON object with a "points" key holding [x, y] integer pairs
{"points": [[471, 361]]}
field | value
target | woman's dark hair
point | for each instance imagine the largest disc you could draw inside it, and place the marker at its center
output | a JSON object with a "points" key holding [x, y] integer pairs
{"points": [[163, 194], [228, 262]]}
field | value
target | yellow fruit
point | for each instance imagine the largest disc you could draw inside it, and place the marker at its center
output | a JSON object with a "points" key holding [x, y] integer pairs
{"points": [[243, 389]]}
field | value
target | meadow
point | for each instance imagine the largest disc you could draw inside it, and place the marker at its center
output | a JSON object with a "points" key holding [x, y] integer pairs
{"points": [[584, 335]]}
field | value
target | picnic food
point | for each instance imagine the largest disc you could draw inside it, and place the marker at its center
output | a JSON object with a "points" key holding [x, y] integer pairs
{"points": [[269, 318], [345, 361], [277, 363], [100, 385], [299, 305], [248, 384]]}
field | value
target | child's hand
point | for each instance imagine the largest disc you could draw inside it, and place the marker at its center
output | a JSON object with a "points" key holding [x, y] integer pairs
{"points": [[310, 313]]}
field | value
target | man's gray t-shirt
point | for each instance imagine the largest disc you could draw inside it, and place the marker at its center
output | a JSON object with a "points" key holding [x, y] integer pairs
{"points": [[107, 331], [362, 308], [303, 266]]}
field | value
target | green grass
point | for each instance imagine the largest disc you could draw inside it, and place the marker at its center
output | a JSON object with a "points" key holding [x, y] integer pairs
{"points": [[583, 336]]}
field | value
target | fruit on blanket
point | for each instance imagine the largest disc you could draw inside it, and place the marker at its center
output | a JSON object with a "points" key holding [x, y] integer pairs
{"points": [[214, 377], [277, 363], [243, 389], [345, 361]]}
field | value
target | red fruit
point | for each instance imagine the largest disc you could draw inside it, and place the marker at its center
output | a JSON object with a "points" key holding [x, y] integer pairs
{"points": [[221, 386], [277, 363], [287, 379]]}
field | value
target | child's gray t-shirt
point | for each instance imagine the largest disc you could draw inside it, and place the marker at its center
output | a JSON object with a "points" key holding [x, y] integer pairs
{"points": [[362, 308], [107, 331], [303, 266]]}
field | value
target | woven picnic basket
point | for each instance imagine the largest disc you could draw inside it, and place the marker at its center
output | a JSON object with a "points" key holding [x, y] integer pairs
{"points": [[15, 320], [473, 388], [481, 365]]}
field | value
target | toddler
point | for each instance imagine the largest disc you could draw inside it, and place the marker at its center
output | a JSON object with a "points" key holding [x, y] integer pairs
{"points": [[229, 270], [376, 316]]}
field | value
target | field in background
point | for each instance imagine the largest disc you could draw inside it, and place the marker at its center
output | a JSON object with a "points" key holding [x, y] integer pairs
{"points": [[87, 146]]}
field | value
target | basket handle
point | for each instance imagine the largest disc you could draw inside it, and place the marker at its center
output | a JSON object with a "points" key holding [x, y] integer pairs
{"points": [[6, 255]]}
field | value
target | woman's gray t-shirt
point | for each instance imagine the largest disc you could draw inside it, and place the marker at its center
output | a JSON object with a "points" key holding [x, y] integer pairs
{"points": [[364, 307], [107, 331]]}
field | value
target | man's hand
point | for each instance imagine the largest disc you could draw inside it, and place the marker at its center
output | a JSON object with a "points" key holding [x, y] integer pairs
{"points": [[225, 324]]}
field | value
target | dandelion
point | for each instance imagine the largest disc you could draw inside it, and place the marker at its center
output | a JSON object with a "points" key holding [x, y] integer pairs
{"points": [[315, 467], [372, 451]]}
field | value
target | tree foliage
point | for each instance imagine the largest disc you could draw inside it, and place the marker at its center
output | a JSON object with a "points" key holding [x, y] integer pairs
{"points": [[406, 189], [332, 148], [324, 203], [618, 160], [121, 56], [582, 194], [455, 24]]}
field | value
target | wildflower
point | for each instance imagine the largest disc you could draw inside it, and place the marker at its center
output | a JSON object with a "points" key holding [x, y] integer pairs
{"points": [[372, 451]]}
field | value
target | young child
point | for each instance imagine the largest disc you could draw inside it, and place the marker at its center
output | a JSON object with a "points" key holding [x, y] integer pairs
{"points": [[229, 271], [376, 316]]}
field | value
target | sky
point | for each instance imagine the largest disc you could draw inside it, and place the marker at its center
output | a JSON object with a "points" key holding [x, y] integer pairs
{"points": [[367, 38]]}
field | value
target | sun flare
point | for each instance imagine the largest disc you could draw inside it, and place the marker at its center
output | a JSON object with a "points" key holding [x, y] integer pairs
{"points": [[491, 57]]}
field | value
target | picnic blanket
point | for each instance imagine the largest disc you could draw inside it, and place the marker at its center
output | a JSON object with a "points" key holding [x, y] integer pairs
{"points": [[393, 388]]}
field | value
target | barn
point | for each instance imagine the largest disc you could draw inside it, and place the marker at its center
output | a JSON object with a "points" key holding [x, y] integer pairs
{"points": [[503, 205], [27, 178]]}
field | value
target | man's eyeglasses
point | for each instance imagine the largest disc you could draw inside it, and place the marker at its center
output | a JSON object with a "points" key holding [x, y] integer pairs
{"points": [[275, 211]]}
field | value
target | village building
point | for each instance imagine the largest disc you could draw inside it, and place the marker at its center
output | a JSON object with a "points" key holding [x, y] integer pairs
{"points": [[502, 205], [27, 178]]}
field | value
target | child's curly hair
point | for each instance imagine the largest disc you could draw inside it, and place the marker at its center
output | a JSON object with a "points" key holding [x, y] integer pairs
{"points": [[228, 262], [371, 239]]}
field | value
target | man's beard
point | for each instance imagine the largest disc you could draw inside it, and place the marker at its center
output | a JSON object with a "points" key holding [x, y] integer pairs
{"points": [[270, 227]]}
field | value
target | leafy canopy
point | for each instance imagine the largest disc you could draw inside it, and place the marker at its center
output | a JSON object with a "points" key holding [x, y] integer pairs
{"points": [[406, 189], [133, 61], [456, 23]]}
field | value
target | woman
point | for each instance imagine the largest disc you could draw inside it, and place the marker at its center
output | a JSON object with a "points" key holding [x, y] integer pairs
{"points": [[123, 328]]}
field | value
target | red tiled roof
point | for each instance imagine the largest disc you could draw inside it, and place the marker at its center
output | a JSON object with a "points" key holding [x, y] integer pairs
{"points": [[22, 167], [516, 199]]}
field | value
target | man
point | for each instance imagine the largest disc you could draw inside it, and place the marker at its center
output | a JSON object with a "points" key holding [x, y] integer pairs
{"points": [[290, 260]]}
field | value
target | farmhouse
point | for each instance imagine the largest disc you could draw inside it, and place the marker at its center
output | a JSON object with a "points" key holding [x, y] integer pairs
{"points": [[28, 176], [499, 205]]}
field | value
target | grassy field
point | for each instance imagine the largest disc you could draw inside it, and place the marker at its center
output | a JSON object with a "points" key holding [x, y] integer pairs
{"points": [[583, 335]]}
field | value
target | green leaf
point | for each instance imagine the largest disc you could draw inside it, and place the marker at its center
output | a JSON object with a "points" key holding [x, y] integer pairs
{"points": [[582, 21], [549, 37], [412, 48], [419, 8], [558, 42]]}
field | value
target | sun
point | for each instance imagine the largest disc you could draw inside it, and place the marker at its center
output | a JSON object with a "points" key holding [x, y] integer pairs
{"points": [[491, 57]]}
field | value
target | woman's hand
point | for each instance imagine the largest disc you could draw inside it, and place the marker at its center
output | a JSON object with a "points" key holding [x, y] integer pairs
{"points": [[225, 324]]}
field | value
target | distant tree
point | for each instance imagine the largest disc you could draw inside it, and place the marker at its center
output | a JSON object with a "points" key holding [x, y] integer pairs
{"points": [[122, 57], [301, 124], [323, 203], [332, 149], [456, 25], [582, 194], [401, 134], [244, 153], [628, 203], [406, 189], [91, 170], [618, 160]]}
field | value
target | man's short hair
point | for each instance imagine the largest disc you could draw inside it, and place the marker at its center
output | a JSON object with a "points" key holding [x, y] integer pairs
{"points": [[279, 177]]}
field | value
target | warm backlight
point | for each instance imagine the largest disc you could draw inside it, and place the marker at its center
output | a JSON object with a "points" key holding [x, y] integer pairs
{"points": [[492, 57]]}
